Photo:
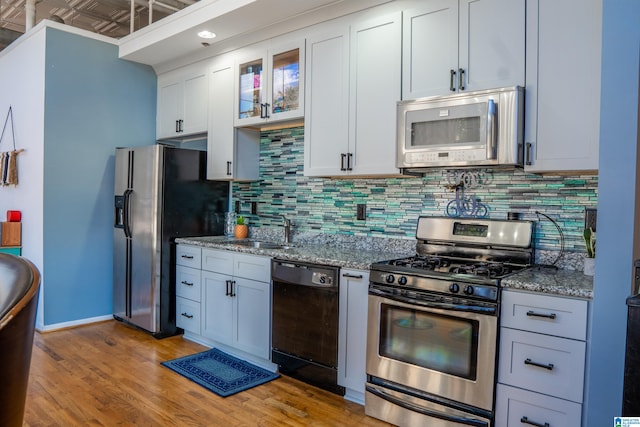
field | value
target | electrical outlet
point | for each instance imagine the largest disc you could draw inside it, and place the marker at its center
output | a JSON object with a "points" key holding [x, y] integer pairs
{"points": [[361, 211], [254, 208], [590, 218]]}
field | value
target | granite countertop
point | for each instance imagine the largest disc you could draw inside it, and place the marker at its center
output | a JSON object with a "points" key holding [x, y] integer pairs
{"points": [[569, 283], [345, 256], [359, 254]]}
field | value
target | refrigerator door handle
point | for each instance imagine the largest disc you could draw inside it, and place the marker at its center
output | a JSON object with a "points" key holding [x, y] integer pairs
{"points": [[127, 227]]}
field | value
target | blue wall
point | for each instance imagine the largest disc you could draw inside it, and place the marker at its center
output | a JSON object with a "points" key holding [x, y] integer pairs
{"points": [[94, 102], [616, 207]]}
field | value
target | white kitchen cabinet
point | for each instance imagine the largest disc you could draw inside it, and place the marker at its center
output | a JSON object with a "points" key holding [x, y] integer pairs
{"points": [[353, 85], [270, 83], [188, 288], [562, 101], [518, 407], [352, 333], [236, 300], [542, 359], [232, 154], [183, 100], [463, 45]]}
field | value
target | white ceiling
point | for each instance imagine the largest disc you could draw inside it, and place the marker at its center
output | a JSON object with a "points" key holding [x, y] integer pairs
{"points": [[235, 22]]}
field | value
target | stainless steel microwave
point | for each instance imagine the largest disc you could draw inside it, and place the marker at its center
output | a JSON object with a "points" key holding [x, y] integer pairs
{"points": [[478, 129]]}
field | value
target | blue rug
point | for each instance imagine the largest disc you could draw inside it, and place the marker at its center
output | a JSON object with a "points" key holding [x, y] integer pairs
{"points": [[219, 372]]}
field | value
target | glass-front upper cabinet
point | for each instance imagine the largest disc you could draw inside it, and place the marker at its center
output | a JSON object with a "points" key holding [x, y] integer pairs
{"points": [[271, 85]]}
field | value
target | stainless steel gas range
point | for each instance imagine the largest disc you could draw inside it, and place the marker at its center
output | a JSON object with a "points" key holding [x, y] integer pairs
{"points": [[433, 322]]}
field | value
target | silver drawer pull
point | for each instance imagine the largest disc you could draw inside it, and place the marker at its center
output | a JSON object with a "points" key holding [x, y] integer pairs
{"points": [[353, 276], [525, 420], [531, 313], [187, 315], [548, 366], [184, 282], [187, 256]]}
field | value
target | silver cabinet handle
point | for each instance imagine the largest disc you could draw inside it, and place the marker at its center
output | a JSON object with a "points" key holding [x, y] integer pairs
{"points": [[452, 75], [461, 79], [492, 130], [184, 282], [353, 276], [187, 256], [187, 315], [349, 165], [229, 168], [343, 156]]}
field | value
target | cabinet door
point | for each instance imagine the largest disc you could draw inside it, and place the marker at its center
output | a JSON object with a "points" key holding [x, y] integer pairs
{"points": [[220, 139], [562, 122], [196, 103], [430, 49], [376, 59], [169, 108], [251, 84], [286, 81], [217, 307], [492, 44], [326, 130], [352, 335], [252, 309]]}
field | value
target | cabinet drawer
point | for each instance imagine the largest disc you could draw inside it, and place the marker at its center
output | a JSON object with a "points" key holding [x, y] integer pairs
{"points": [[189, 256], [542, 363], [217, 261], [188, 283], [188, 315], [252, 267], [563, 317], [513, 405]]}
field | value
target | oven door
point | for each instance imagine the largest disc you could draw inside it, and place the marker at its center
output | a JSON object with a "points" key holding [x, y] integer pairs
{"points": [[446, 349]]}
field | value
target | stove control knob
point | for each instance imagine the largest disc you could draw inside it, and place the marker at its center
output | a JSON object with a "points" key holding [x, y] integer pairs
{"points": [[454, 287], [468, 290], [402, 280], [390, 278]]}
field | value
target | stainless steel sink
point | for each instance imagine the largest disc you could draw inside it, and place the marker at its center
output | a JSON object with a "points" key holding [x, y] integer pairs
{"points": [[262, 245]]}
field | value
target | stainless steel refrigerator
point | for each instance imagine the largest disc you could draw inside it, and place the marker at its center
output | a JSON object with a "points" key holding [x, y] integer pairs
{"points": [[161, 193]]}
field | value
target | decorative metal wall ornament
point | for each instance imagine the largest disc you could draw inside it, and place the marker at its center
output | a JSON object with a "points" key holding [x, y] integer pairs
{"points": [[466, 206], [9, 159]]}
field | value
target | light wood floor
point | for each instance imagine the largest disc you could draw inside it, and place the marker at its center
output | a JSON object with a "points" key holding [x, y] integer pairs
{"points": [[109, 374]]}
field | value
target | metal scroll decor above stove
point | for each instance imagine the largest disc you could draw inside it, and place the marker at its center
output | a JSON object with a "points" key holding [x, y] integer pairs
{"points": [[466, 205]]}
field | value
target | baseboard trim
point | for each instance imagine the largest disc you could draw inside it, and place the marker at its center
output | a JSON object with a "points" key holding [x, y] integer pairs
{"points": [[72, 324]]}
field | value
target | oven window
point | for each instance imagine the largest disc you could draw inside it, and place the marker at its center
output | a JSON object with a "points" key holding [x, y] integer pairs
{"points": [[464, 130], [442, 343]]}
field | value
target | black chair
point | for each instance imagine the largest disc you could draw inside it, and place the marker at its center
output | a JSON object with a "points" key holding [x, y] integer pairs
{"points": [[19, 284]]}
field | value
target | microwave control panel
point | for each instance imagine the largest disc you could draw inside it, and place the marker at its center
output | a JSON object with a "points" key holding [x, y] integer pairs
{"points": [[425, 157]]}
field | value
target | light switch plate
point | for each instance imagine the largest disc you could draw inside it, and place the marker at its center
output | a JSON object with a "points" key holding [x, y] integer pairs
{"points": [[361, 211], [590, 218]]}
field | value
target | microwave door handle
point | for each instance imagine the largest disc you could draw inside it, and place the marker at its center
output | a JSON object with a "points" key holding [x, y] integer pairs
{"points": [[492, 132]]}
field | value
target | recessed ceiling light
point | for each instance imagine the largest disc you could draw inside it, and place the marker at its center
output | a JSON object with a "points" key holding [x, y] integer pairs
{"points": [[206, 34]]}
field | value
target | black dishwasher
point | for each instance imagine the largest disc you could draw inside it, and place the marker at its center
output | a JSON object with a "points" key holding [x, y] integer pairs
{"points": [[305, 322]]}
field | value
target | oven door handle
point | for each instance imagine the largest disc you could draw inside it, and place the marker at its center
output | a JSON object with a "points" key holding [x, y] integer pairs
{"points": [[425, 411], [491, 310]]}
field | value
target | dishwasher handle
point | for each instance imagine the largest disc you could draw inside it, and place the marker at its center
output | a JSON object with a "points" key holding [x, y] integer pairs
{"points": [[304, 274]]}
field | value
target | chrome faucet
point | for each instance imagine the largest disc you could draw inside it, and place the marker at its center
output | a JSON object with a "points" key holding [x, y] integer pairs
{"points": [[287, 229]]}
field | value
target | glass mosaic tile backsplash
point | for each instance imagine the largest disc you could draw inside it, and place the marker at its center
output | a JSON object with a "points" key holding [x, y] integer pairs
{"points": [[394, 204]]}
